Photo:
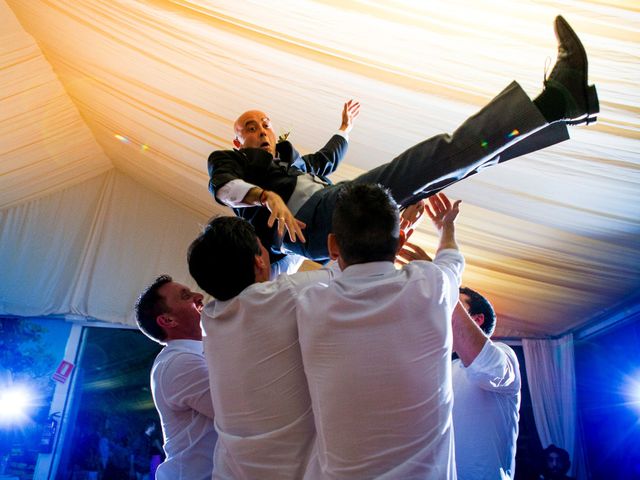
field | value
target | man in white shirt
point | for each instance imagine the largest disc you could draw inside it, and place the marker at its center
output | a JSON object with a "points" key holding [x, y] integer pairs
{"points": [[169, 313], [260, 393], [486, 391], [369, 336]]}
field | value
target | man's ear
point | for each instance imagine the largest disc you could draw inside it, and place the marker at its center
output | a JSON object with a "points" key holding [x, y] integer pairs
{"points": [[332, 246], [165, 320], [236, 143], [478, 318], [260, 269]]}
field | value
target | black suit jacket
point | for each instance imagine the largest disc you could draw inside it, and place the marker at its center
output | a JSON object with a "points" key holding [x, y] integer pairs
{"points": [[258, 167]]}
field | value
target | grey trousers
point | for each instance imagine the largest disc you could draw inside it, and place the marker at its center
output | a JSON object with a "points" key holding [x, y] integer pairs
{"points": [[508, 127]]}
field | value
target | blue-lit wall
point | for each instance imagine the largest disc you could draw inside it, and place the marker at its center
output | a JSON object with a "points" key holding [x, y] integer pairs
{"points": [[607, 373]]}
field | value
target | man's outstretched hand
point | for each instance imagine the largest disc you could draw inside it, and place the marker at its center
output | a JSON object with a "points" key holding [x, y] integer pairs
{"points": [[281, 213], [410, 218], [441, 211], [350, 111], [410, 252], [443, 214]]}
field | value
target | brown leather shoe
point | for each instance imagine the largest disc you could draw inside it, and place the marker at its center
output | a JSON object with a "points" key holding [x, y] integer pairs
{"points": [[569, 77]]}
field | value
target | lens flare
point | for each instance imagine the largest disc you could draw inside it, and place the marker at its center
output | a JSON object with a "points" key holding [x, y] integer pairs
{"points": [[15, 403], [632, 391], [513, 133]]}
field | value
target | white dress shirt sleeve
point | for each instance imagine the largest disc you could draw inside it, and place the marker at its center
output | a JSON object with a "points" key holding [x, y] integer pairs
{"points": [[186, 384], [232, 193], [287, 265], [496, 369], [451, 262]]}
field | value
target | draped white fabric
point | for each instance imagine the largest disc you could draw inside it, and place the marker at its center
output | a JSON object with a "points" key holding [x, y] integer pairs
{"points": [[150, 87], [106, 238], [44, 143], [552, 383]]}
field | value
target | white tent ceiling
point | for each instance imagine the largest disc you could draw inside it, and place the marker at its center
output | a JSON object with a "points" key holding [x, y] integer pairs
{"points": [[131, 96]]}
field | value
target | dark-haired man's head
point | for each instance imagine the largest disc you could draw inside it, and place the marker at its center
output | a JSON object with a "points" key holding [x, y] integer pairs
{"points": [[366, 225], [227, 257], [167, 310], [480, 309], [556, 462]]}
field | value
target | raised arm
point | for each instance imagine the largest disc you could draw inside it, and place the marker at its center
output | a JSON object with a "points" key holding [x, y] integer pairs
{"points": [[443, 214], [468, 337], [326, 160]]}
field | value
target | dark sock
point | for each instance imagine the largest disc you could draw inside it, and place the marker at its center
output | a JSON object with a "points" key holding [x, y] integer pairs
{"points": [[551, 104]]}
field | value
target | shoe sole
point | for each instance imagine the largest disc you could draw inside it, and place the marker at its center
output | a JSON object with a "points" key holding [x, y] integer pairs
{"points": [[593, 108]]}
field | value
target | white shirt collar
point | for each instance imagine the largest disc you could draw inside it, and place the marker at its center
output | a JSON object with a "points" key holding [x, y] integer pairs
{"points": [[194, 346], [368, 269]]}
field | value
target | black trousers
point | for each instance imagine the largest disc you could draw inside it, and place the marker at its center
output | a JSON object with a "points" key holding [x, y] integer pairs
{"points": [[508, 127]]}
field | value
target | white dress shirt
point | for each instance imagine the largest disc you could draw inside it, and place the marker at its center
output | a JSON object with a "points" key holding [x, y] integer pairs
{"points": [[486, 401], [289, 264], [376, 346], [180, 388], [260, 393]]}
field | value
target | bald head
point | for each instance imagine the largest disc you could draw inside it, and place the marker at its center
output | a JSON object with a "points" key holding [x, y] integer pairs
{"points": [[253, 130]]}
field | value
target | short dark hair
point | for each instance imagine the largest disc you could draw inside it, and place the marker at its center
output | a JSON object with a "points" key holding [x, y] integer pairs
{"points": [[221, 259], [366, 224], [479, 304], [149, 305], [562, 454]]}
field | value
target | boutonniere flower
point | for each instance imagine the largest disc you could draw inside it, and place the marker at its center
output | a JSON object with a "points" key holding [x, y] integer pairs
{"points": [[283, 137]]}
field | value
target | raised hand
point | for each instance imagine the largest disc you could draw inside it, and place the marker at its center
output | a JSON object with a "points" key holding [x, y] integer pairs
{"points": [[410, 217], [410, 252], [350, 111], [441, 211]]}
